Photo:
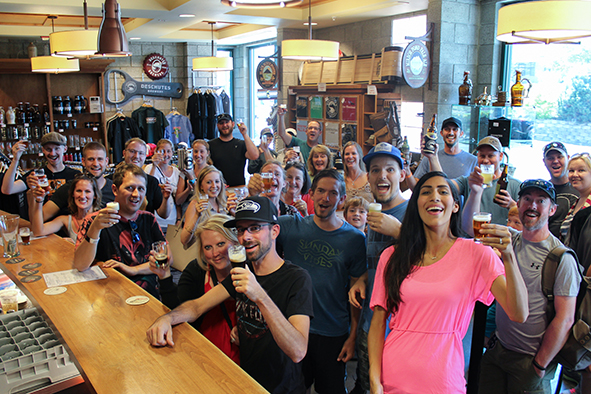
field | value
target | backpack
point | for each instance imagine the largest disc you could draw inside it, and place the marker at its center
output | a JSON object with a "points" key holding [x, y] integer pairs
{"points": [[576, 352]]}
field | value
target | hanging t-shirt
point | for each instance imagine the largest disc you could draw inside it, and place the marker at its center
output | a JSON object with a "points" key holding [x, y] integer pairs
{"points": [[151, 123], [179, 129]]}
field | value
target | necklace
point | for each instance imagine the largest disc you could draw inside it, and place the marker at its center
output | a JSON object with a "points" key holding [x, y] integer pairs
{"points": [[355, 180]]}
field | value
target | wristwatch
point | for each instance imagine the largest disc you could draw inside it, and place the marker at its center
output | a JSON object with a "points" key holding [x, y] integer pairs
{"points": [[91, 240]]}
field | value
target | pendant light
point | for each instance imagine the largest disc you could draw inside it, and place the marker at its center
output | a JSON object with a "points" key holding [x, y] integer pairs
{"points": [[261, 3], [112, 40], [54, 64], [309, 49], [74, 43], [212, 63], [544, 22]]}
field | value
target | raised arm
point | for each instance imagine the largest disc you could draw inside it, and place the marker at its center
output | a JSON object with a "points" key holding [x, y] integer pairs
{"points": [[89, 236], [472, 204], [10, 185], [281, 126], [36, 215], [252, 152]]}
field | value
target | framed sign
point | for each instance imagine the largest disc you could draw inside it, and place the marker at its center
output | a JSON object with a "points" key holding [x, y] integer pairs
{"points": [[155, 66], [416, 64], [267, 73]]}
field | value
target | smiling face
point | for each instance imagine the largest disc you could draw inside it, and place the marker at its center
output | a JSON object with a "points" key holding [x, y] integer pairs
{"points": [[351, 157], [54, 153], [278, 179], [259, 244], [313, 133], [436, 203], [225, 127], [83, 194], [555, 163], [130, 195], [579, 175], [295, 181], [165, 150], [326, 197], [95, 162], [211, 184], [357, 217], [487, 155], [200, 155], [384, 179], [319, 161], [215, 249], [535, 207], [451, 134], [135, 153]]}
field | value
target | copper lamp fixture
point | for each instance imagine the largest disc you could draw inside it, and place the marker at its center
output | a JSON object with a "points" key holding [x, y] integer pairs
{"points": [[112, 40]]}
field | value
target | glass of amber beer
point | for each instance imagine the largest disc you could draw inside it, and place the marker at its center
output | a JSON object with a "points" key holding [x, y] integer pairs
{"points": [[478, 219]]}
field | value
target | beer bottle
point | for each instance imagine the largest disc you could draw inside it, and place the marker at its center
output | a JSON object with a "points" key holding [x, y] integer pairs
{"points": [[430, 137], [338, 163], [405, 150], [517, 91], [503, 181], [465, 89]]}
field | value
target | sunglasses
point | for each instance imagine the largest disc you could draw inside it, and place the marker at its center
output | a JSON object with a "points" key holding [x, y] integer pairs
{"points": [[135, 237]]}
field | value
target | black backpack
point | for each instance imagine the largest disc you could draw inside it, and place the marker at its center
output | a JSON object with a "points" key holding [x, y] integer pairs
{"points": [[576, 352]]}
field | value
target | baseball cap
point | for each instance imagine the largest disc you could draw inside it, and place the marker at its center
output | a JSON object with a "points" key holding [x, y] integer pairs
{"points": [[540, 184], [266, 131], [557, 146], [222, 117], [383, 148], [492, 142], [291, 132], [256, 208], [54, 138], [453, 120]]}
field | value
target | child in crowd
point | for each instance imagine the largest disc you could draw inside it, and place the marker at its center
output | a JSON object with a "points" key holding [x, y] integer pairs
{"points": [[355, 212], [513, 220]]}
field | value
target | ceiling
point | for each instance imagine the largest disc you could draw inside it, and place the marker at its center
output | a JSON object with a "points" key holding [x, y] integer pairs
{"points": [[159, 20]]}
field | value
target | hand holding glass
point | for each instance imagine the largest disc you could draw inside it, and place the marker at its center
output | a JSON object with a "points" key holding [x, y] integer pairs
{"points": [[160, 249], [478, 219], [267, 181], [488, 171]]}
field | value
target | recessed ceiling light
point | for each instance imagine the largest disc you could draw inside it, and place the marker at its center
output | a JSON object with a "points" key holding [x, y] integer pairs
{"points": [[135, 38], [313, 24], [187, 16]]}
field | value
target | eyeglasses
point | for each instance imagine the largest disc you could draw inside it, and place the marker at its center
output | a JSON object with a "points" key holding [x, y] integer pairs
{"points": [[135, 237], [253, 229], [136, 152]]}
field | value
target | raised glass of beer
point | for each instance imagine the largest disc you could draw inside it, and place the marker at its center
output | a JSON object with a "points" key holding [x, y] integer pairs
{"points": [[267, 181], [478, 219], [237, 254], [488, 171], [160, 249]]}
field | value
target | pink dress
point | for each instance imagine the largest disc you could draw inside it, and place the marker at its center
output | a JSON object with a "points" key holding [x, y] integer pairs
{"points": [[423, 353]]}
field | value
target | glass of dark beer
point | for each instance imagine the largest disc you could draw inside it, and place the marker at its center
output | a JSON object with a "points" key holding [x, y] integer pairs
{"points": [[160, 249]]}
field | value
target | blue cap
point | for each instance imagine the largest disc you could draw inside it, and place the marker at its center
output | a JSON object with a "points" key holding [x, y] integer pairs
{"points": [[385, 149]]}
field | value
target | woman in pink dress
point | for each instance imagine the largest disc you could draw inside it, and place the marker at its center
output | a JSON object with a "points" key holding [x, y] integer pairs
{"points": [[430, 282]]}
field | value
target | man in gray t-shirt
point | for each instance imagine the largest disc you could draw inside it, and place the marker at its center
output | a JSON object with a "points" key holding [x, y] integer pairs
{"points": [[519, 355]]}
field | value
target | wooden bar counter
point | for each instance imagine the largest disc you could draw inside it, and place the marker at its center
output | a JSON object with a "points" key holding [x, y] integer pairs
{"points": [[107, 337]]}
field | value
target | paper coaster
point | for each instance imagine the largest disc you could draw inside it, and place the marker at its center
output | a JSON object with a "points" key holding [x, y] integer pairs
{"points": [[31, 266], [29, 279], [55, 290], [28, 272], [137, 300], [15, 260]]}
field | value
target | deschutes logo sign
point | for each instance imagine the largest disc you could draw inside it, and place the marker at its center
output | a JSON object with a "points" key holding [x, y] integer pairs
{"points": [[155, 66], [416, 63], [267, 73]]}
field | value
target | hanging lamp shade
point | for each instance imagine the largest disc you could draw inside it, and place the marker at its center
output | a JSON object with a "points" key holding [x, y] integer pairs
{"points": [[310, 50], [211, 63], [544, 22], [261, 3], [54, 64], [74, 43], [112, 39]]}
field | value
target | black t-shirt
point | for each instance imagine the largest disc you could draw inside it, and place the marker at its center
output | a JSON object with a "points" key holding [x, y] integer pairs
{"points": [[116, 243], [153, 194], [56, 179], [60, 196], [566, 196], [229, 157], [290, 288]]}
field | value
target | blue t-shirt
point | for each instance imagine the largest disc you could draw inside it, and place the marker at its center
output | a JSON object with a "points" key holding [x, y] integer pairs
{"points": [[454, 166], [376, 243], [331, 258]]}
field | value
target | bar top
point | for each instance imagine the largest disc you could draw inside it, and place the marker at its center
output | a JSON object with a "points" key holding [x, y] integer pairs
{"points": [[107, 337]]}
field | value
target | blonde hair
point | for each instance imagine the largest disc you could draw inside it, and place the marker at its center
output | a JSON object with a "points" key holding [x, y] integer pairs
{"points": [[513, 211], [213, 223], [206, 145], [164, 141], [581, 156], [359, 155], [221, 198], [319, 150]]}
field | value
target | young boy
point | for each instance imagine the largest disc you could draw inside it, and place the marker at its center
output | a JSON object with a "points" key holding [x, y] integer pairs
{"points": [[355, 212]]}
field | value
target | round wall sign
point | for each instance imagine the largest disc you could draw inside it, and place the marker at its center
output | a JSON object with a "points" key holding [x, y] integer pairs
{"points": [[155, 66], [267, 73], [416, 63]]}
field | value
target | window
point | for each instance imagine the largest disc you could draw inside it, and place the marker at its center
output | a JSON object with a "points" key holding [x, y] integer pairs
{"points": [[414, 26], [259, 109], [223, 79]]}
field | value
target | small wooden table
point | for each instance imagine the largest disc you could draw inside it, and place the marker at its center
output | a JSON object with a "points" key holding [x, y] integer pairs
{"points": [[107, 337]]}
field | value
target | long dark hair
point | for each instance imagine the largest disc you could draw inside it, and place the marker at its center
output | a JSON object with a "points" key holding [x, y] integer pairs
{"points": [[96, 202], [412, 242]]}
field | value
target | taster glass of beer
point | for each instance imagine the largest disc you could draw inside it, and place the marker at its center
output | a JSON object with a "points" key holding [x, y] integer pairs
{"points": [[237, 254], [375, 207], [25, 234], [478, 219], [267, 181], [160, 249], [9, 300], [488, 171]]}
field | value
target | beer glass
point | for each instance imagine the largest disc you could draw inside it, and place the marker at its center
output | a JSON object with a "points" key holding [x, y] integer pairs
{"points": [[9, 229], [478, 219], [375, 207], [237, 254], [25, 234], [488, 171], [160, 249], [267, 181]]}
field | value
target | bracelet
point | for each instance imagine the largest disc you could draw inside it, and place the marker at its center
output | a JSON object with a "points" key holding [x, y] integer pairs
{"points": [[538, 366], [189, 231], [192, 181], [91, 240]]}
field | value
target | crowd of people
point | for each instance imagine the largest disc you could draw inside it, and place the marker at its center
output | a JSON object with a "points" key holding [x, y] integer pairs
{"points": [[326, 278]]}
